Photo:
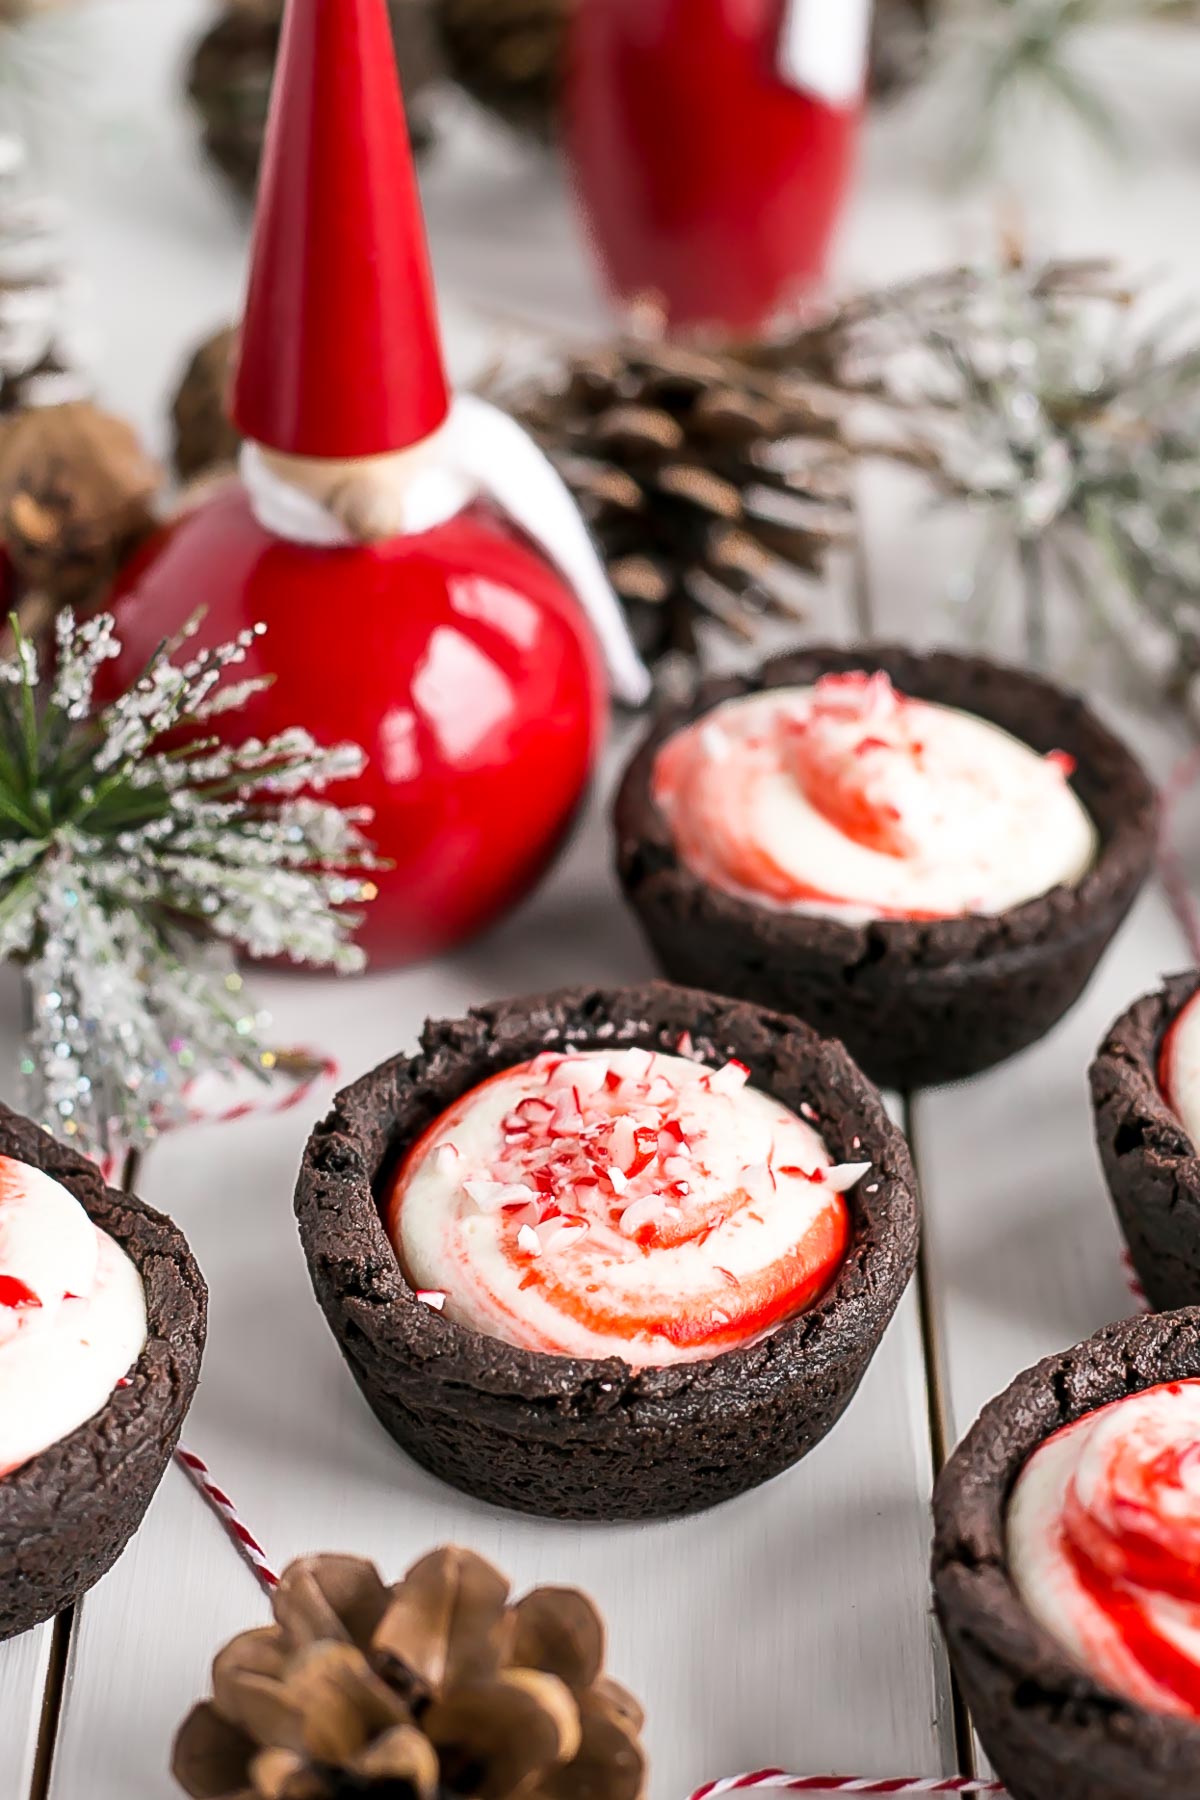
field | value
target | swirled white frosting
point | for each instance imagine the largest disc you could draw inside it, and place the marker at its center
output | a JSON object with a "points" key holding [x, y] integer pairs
{"points": [[1179, 1068], [621, 1203], [72, 1314], [1104, 1544], [852, 801]]}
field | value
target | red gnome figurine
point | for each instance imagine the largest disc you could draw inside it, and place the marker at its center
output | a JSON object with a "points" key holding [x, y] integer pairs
{"points": [[712, 143], [429, 589]]}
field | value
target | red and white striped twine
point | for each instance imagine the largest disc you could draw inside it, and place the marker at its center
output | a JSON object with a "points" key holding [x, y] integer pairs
{"points": [[319, 1068], [778, 1781], [234, 1526], [323, 1068]]}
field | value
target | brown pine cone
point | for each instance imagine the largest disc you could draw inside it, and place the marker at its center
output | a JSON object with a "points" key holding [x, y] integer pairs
{"points": [[205, 437], [77, 495], [232, 67], [708, 484], [508, 55], [432, 1688]]}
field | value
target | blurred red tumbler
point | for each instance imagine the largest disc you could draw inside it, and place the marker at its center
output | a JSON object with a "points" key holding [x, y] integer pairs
{"points": [[712, 143]]}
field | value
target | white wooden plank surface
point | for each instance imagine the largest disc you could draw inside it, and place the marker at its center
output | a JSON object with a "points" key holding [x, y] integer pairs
{"points": [[792, 1625], [23, 1664]]}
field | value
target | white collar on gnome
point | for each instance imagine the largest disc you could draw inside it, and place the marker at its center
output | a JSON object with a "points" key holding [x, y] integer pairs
{"points": [[823, 49], [479, 451]]}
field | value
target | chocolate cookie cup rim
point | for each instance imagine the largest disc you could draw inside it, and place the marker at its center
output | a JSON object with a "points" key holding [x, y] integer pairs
{"points": [[970, 1510], [1127, 1063], [1117, 793], [404, 1095], [48, 1482]]}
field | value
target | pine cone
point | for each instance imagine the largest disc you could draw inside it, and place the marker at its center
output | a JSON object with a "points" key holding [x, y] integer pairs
{"points": [[205, 436], [433, 1688], [707, 483], [77, 494], [508, 55], [232, 67]]}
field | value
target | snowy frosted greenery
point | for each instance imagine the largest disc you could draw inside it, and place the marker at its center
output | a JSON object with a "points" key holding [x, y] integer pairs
{"points": [[1017, 65], [130, 873], [1062, 406]]}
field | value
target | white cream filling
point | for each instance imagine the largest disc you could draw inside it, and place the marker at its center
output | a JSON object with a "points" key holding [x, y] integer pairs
{"points": [[986, 822], [1183, 1069], [61, 1360], [1038, 1559], [454, 1230]]}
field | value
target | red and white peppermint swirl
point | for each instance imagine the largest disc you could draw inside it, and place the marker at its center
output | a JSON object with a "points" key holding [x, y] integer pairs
{"points": [[72, 1314], [850, 800], [1104, 1544], [621, 1203]]}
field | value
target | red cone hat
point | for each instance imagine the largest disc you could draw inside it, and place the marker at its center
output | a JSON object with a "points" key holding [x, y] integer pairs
{"points": [[340, 354]]}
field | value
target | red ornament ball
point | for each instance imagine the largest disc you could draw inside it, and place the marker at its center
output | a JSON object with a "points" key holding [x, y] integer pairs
{"points": [[456, 658]]}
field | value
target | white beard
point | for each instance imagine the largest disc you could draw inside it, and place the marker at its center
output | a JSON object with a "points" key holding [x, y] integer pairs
{"points": [[823, 48]]}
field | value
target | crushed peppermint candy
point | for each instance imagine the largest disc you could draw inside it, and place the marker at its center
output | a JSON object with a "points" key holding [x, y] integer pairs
{"points": [[603, 1132], [624, 1201]]}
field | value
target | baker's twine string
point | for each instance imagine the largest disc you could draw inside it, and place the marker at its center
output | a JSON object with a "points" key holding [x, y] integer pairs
{"points": [[309, 1067], [234, 1526], [778, 1781], [312, 1068]]}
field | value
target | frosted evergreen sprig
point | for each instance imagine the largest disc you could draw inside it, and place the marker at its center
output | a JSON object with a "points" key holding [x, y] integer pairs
{"points": [[1063, 408], [1016, 63], [132, 871]]}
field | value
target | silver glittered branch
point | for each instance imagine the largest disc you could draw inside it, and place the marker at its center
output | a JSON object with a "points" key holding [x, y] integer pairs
{"points": [[1059, 406], [132, 873]]}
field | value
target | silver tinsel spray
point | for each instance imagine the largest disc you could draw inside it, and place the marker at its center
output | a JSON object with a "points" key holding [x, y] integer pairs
{"points": [[131, 873], [1062, 408]]}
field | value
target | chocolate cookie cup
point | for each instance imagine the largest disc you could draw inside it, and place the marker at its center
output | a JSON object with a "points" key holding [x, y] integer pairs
{"points": [[66, 1516], [1150, 1163], [567, 1437], [915, 1002], [1050, 1729]]}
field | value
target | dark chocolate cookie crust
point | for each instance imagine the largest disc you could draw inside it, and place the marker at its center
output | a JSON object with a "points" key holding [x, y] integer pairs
{"points": [[1150, 1162], [595, 1440], [66, 1516], [915, 1003], [1052, 1732]]}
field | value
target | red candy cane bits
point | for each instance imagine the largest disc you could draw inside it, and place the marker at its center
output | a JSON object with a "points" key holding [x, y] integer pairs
{"points": [[621, 1203]]}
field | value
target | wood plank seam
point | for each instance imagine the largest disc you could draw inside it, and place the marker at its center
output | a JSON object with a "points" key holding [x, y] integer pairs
{"points": [[62, 1630], [940, 1436]]}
